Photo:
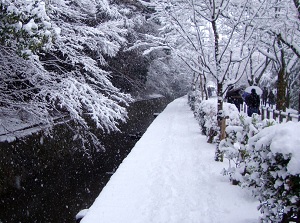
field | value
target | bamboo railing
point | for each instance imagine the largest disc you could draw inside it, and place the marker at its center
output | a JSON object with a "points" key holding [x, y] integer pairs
{"points": [[269, 112], [281, 116]]}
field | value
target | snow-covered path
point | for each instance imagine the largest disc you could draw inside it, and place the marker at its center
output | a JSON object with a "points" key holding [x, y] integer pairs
{"points": [[170, 176]]}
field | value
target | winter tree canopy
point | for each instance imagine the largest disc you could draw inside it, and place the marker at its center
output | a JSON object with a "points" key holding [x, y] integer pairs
{"points": [[226, 40], [62, 73]]}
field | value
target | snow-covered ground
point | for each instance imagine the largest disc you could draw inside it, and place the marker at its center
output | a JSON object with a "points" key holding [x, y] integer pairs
{"points": [[171, 176]]}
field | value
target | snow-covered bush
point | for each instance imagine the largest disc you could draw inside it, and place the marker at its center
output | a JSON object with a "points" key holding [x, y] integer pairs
{"points": [[234, 146], [194, 99], [265, 157], [274, 175], [206, 114]]}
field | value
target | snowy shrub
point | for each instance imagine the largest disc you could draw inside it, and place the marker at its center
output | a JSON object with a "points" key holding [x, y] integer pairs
{"points": [[274, 175], [193, 99], [206, 114], [265, 157], [234, 146]]}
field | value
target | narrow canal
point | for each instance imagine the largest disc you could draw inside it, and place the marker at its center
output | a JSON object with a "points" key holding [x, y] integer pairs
{"points": [[43, 181]]}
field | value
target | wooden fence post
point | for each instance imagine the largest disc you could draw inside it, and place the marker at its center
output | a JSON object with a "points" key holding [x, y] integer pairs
{"points": [[280, 116], [274, 114], [288, 118], [223, 132]]}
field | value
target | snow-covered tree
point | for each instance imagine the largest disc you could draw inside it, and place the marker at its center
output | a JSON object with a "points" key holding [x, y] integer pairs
{"points": [[215, 38], [67, 78], [168, 76], [25, 25], [278, 39], [82, 86]]}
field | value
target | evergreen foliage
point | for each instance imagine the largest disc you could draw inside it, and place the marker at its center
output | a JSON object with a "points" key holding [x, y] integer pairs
{"points": [[26, 26], [206, 114], [260, 158]]}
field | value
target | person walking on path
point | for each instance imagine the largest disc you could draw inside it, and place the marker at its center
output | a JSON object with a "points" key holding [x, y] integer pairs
{"points": [[271, 99], [252, 101], [209, 91], [265, 96]]}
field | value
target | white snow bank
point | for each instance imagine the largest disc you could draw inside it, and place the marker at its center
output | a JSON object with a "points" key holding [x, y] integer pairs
{"points": [[171, 176], [284, 139]]}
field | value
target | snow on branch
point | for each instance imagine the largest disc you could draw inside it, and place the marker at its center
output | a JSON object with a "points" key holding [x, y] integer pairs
{"points": [[81, 100], [267, 54], [155, 48]]}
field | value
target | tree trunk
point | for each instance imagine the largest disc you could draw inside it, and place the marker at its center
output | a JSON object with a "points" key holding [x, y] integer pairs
{"points": [[221, 122], [220, 117], [281, 90], [218, 74], [251, 81], [281, 82], [202, 90], [204, 86], [288, 96]]}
